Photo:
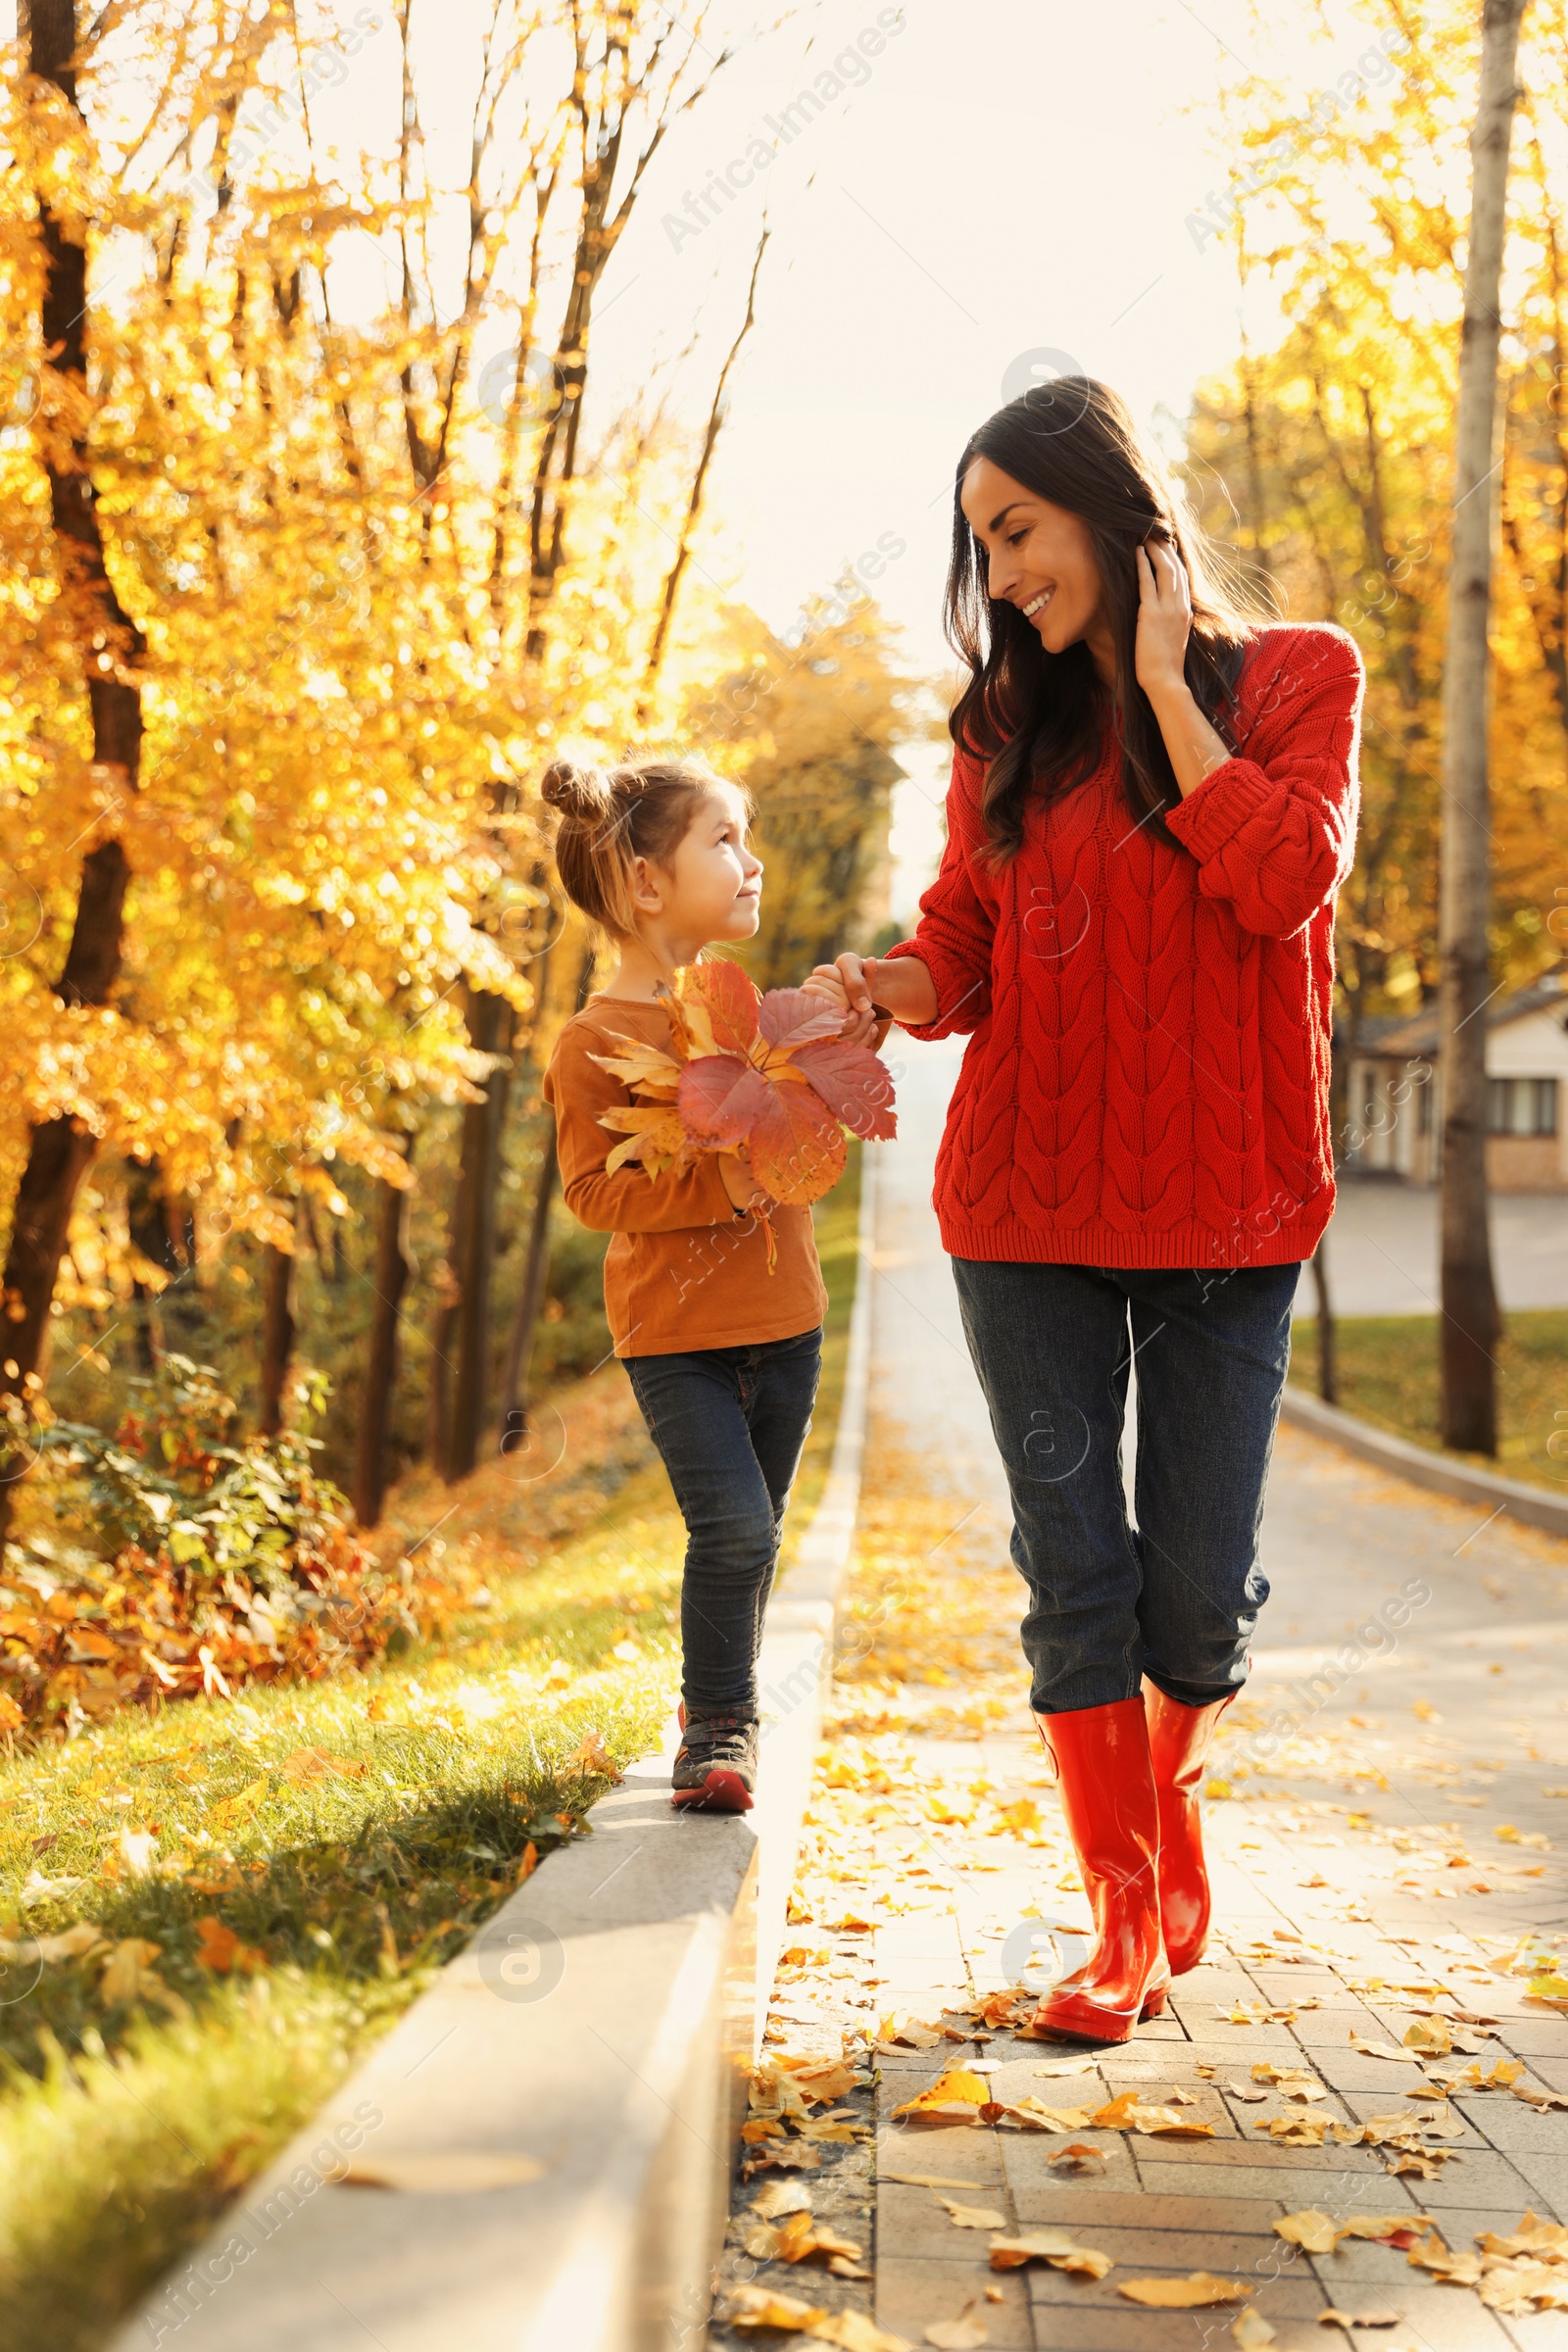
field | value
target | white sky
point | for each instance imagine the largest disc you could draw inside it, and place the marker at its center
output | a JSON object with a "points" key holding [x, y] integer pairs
{"points": [[1013, 176], [1010, 176]]}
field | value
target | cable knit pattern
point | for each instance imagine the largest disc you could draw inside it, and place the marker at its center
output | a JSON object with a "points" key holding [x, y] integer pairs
{"points": [[1147, 1082]]}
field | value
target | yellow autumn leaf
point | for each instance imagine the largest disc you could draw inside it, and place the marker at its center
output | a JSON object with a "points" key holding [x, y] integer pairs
{"points": [[972, 2217], [1311, 2230], [951, 2093], [1192, 2293], [1058, 2247]]}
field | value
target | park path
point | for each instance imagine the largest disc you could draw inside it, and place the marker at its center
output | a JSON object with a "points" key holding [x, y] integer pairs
{"points": [[1399, 1801]]}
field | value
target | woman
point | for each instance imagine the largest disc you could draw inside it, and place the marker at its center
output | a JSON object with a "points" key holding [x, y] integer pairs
{"points": [[1152, 806]]}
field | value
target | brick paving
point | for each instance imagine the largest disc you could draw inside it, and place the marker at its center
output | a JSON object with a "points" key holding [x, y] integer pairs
{"points": [[1408, 1703]]}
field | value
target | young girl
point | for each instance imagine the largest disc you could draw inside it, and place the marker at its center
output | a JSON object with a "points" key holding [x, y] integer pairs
{"points": [[723, 1358]]}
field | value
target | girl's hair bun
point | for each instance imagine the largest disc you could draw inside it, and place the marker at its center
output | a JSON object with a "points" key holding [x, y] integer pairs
{"points": [[576, 789]]}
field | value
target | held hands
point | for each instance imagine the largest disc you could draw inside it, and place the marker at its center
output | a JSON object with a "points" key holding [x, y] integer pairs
{"points": [[1164, 621], [848, 985]]}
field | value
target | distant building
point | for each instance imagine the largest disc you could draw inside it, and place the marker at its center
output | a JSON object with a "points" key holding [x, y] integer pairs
{"points": [[1395, 1094]]}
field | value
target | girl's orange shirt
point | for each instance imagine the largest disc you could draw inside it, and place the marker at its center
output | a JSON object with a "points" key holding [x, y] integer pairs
{"points": [[683, 1271]]}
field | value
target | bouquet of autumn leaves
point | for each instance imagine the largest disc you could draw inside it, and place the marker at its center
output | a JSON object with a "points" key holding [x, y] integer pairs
{"points": [[767, 1077]]}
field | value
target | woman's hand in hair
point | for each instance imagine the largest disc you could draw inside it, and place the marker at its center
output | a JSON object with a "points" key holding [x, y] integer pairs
{"points": [[1164, 625], [1164, 620]]}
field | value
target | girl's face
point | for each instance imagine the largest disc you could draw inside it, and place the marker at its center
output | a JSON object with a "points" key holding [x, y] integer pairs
{"points": [[712, 887], [1040, 558]]}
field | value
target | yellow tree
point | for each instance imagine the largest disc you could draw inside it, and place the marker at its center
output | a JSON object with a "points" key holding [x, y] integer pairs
{"points": [[304, 563]]}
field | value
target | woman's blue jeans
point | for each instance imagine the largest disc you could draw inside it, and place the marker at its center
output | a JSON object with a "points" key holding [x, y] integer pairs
{"points": [[1178, 1597], [729, 1423]]}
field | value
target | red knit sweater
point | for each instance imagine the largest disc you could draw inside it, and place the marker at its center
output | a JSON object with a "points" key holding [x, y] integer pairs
{"points": [[1146, 1083]]}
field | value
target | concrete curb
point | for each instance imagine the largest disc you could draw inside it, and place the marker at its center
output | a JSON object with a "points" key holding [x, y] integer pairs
{"points": [[1533, 1505], [601, 2025]]}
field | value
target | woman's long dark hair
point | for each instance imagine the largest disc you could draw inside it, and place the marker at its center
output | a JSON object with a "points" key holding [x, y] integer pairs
{"points": [[1037, 720]]}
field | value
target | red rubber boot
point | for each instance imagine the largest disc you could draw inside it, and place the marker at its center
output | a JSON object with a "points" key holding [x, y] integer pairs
{"points": [[1178, 1745], [1107, 1794]]}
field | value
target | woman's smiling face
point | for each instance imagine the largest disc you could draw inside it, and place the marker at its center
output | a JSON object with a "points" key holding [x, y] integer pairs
{"points": [[1040, 558]]}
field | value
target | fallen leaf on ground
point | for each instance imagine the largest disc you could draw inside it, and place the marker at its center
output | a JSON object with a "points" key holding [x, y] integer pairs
{"points": [[1403, 2229], [1250, 2091], [781, 2196], [787, 2156], [956, 2096], [1291, 2081], [1431, 2254], [1381, 2049], [1431, 2037], [222, 1951], [1129, 2114], [1051, 2118], [1425, 2163], [911, 2037], [1299, 2130], [1542, 2101], [36, 1888], [1532, 2237], [1193, 2293], [128, 1974], [972, 2217], [1310, 2229], [449, 2171], [821, 2079], [1357, 2319], [1066, 2066], [1514, 2288], [1252, 2329], [760, 2307], [853, 2331], [1056, 2247], [70, 1945], [962, 2334], [1077, 2157]]}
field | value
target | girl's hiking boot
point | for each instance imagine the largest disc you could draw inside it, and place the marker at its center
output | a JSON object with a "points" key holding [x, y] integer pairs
{"points": [[716, 1765]]}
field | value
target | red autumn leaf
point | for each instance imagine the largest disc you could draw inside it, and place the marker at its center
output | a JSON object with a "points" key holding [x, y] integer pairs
{"points": [[794, 1017], [719, 1100], [731, 1002], [854, 1084], [796, 1147]]}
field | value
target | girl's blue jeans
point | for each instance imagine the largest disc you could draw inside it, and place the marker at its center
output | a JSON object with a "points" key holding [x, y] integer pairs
{"points": [[1178, 1597], [729, 1423]]}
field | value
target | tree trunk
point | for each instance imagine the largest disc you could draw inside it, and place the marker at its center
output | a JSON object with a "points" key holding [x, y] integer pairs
{"points": [[60, 1151], [388, 1284], [438, 1417], [525, 1322], [159, 1232], [490, 1025], [277, 1336], [1328, 1352], [1469, 1323]]}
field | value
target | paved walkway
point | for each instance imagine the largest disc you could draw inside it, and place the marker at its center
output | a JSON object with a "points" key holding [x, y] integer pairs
{"points": [[1399, 1794]]}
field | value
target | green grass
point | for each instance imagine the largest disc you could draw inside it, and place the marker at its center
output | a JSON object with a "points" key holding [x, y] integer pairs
{"points": [[127, 2124], [1387, 1367]]}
